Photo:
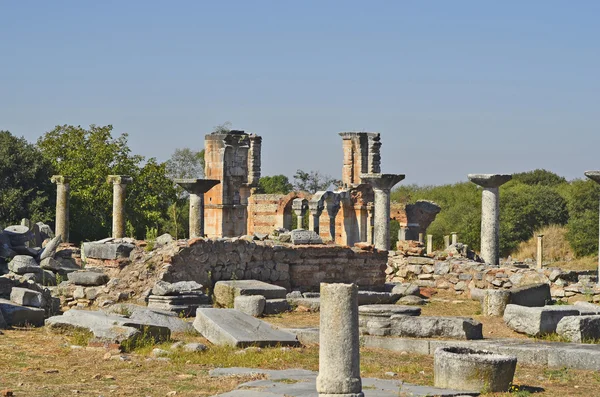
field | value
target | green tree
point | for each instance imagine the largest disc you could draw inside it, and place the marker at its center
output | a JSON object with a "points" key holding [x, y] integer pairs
{"points": [[25, 187], [313, 181], [539, 177], [89, 156], [276, 184], [186, 163], [582, 228]]}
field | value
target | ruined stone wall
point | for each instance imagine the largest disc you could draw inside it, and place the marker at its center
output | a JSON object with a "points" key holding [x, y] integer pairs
{"points": [[264, 215], [301, 267], [462, 275]]}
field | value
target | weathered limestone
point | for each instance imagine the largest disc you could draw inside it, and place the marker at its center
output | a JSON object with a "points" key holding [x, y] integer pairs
{"points": [[494, 302], [446, 242], [377, 319], [252, 305], [540, 250], [595, 176], [62, 205], [536, 321], [533, 295], [196, 188], [17, 315], [231, 327], [119, 183], [87, 278], [300, 206], [429, 244], [579, 329], [490, 214], [361, 156], [436, 326], [339, 354], [226, 291], [382, 185], [462, 368], [26, 297], [454, 238]]}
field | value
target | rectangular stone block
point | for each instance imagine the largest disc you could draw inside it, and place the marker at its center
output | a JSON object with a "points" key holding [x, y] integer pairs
{"points": [[234, 328], [226, 291], [26, 297], [20, 316], [579, 329], [108, 250], [429, 327], [536, 321], [536, 295]]}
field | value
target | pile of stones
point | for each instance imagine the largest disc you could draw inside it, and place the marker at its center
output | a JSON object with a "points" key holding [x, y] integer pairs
{"points": [[28, 304], [183, 297], [32, 259]]}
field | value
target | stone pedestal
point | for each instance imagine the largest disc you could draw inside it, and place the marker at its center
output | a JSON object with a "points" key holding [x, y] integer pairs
{"points": [[119, 183], [595, 176], [454, 238], [339, 346], [62, 206], [421, 238], [402, 233], [446, 242], [332, 210], [196, 188], [382, 185], [490, 214]]}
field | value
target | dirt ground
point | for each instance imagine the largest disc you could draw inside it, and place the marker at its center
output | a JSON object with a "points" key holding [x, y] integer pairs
{"points": [[35, 362]]}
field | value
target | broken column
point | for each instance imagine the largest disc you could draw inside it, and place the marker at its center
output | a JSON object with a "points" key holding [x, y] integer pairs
{"points": [[382, 185], [339, 345], [490, 214], [429, 244], [62, 206], [316, 209], [595, 176], [119, 183], [454, 238], [540, 250], [370, 213], [196, 188], [446, 241], [333, 207], [300, 206]]}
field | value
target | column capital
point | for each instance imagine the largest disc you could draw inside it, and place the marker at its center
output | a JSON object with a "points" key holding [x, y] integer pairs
{"points": [[119, 179], [489, 180], [593, 175], [60, 179], [384, 182], [197, 186]]}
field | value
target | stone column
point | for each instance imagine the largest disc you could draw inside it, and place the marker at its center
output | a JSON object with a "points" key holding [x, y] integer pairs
{"points": [[421, 238], [119, 183], [454, 238], [490, 214], [540, 250], [300, 206], [332, 210], [62, 206], [429, 244], [339, 346], [446, 242], [370, 213], [402, 233], [595, 176], [382, 185], [196, 188], [315, 216]]}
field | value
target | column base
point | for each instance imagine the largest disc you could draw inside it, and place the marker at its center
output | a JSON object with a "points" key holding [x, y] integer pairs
{"points": [[343, 395]]}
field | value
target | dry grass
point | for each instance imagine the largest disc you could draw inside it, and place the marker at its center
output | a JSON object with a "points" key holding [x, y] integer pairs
{"points": [[557, 251]]}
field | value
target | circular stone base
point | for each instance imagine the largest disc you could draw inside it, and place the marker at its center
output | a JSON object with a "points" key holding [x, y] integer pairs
{"points": [[462, 368]]}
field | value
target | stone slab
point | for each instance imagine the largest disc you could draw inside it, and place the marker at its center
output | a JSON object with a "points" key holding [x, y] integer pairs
{"points": [[20, 316], [234, 328], [304, 385], [373, 298], [161, 318], [536, 321], [163, 288], [535, 295], [300, 236], [87, 278], [108, 250], [226, 291], [434, 326], [23, 264]]}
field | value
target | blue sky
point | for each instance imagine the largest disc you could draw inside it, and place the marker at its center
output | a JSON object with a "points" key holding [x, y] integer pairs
{"points": [[453, 87]]}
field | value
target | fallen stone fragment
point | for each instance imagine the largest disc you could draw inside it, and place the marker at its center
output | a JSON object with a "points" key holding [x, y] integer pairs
{"points": [[163, 288], [108, 250], [535, 295], [226, 291], [434, 326], [579, 329], [51, 248], [234, 328], [536, 321], [19, 316], [22, 264], [18, 234], [252, 305], [26, 297], [143, 314], [87, 278]]}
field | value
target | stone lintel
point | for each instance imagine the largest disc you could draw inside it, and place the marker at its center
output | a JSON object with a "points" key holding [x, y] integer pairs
{"points": [[350, 135], [197, 186], [119, 179], [489, 180], [60, 179], [593, 175], [382, 181]]}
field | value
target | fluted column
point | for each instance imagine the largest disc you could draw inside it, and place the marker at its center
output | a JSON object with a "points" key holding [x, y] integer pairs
{"points": [[62, 206]]}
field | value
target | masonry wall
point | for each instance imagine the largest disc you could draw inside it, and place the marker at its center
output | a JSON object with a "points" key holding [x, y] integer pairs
{"points": [[301, 267]]}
